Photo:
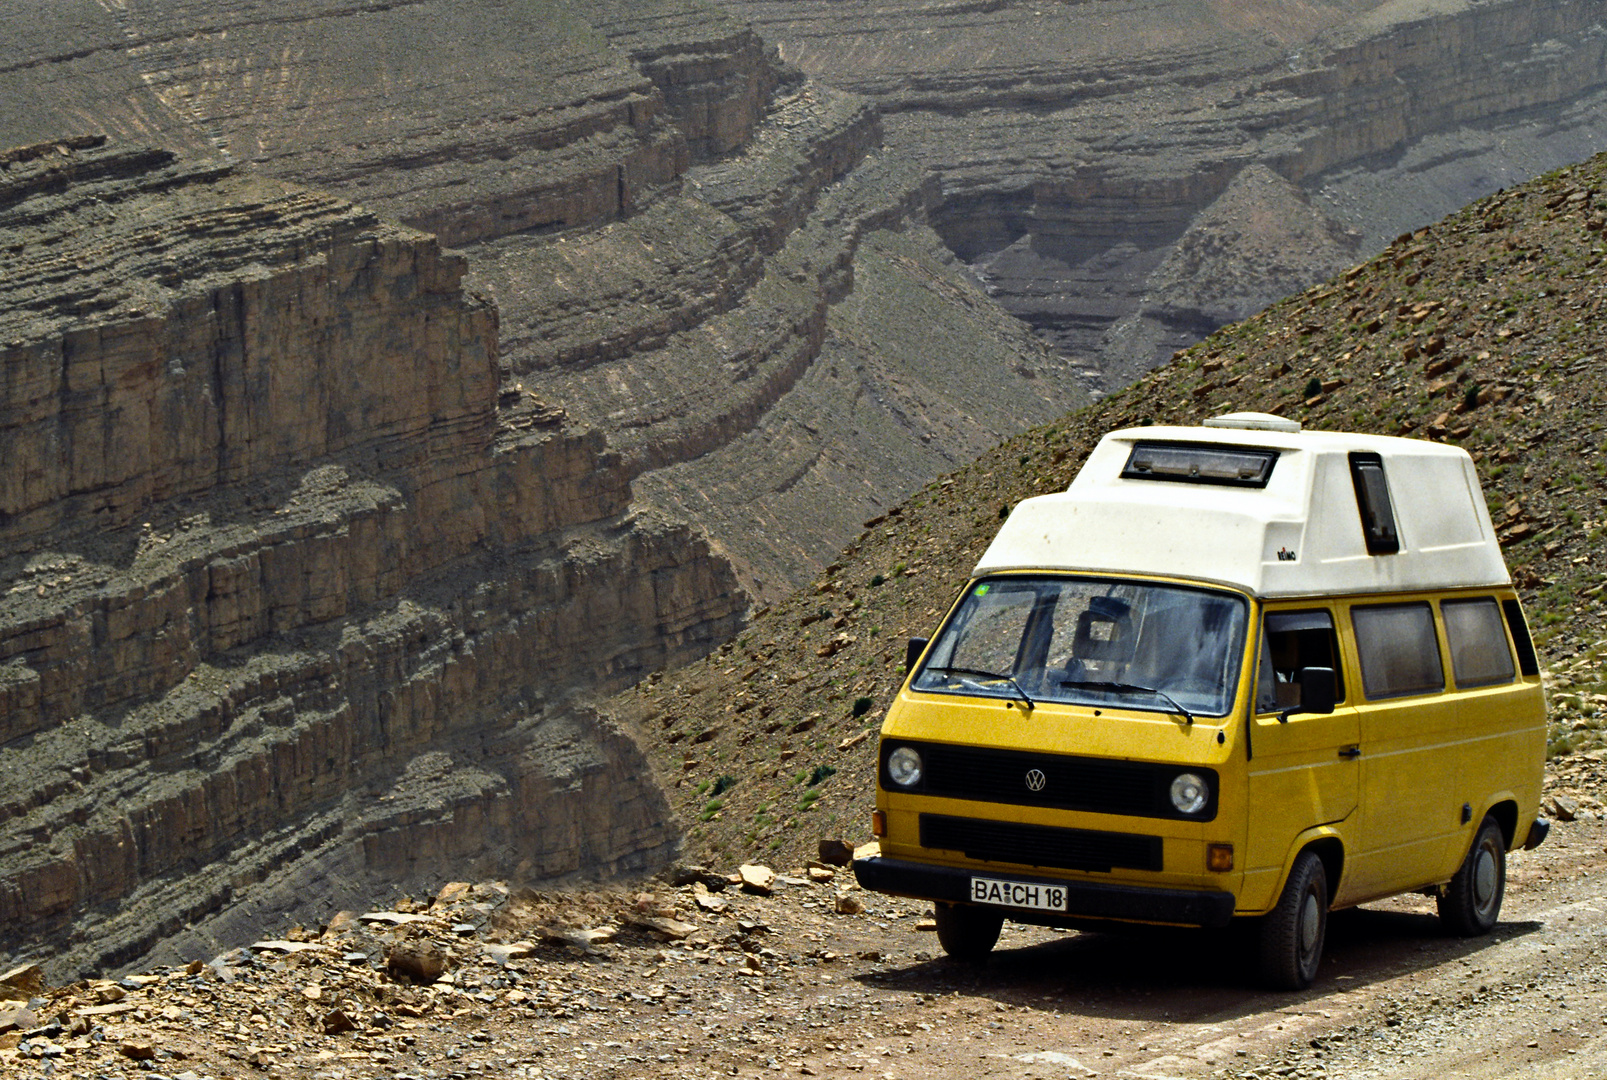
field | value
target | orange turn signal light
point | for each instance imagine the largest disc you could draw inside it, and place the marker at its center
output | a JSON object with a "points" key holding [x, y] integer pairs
{"points": [[1219, 857], [878, 824]]}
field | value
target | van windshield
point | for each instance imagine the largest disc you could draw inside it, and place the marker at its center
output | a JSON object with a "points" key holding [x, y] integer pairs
{"points": [[1092, 641]]}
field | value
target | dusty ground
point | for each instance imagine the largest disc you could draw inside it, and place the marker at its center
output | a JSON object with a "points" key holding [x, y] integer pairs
{"points": [[786, 985]]}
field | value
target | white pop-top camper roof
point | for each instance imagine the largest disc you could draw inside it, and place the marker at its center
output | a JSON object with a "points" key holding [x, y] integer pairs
{"points": [[1252, 501]]}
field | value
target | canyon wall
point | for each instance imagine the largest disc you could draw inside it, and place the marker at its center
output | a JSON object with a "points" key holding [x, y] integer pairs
{"points": [[1127, 176], [294, 589], [665, 213], [320, 526], [319, 535]]}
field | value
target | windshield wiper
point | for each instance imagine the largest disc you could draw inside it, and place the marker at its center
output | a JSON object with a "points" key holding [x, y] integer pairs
{"points": [[1131, 688], [1025, 697]]}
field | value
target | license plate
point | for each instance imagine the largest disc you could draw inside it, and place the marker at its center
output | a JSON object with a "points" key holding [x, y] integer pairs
{"points": [[1019, 894]]}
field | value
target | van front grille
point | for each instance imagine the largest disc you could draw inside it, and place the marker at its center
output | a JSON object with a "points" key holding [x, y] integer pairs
{"points": [[1053, 781], [1040, 845]]}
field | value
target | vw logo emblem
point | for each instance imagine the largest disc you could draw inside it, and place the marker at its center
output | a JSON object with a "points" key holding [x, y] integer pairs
{"points": [[1036, 780]]}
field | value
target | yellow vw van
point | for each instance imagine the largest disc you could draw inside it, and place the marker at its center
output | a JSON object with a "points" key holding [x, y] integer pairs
{"points": [[1234, 672]]}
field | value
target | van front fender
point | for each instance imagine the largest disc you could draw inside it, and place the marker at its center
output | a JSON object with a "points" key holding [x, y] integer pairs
{"points": [[1329, 844]]}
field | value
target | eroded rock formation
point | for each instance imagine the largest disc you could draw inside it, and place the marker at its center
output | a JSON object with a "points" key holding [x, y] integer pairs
{"points": [[1095, 157], [308, 544], [666, 215], [307, 561], [294, 589]]}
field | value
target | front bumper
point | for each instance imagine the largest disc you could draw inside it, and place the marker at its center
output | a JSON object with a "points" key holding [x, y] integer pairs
{"points": [[1085, 899]]}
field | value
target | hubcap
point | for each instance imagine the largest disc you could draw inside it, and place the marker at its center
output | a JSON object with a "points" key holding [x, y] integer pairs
{"points": [[1310, 915], [1484, 878]]}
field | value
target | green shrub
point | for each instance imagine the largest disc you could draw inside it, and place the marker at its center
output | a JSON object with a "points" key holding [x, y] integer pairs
{"points": [[820, 773], [862, 705]]}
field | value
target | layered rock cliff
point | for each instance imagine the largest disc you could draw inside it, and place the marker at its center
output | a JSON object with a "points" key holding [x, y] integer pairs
{"points": [[669, 216], [308, 562], [665, 213], [293, 590], [315, 528], [1127, 176]]}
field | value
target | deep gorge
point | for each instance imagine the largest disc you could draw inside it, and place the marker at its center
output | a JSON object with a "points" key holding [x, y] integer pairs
{"points": [[378, 388]]}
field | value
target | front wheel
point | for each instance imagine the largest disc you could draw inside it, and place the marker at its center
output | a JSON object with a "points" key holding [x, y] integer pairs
{"points": [[1292, 934], [1471, 903], [966, 932]]}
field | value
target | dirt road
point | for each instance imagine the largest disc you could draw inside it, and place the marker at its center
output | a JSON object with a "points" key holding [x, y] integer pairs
{"points": [[784, 985], [1396, 997]]}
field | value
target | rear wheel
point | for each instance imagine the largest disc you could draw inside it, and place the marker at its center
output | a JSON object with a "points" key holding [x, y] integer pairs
{"points": [[1291, 934], [966, 932], [1471, 903]]}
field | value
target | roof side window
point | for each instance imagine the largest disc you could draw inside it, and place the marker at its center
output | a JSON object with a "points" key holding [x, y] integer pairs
{"points": [[1372, 500], [1474, 629], [1200, 463], [1398, 650]]}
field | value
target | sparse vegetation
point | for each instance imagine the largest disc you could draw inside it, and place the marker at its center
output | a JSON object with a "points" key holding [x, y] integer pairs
{"points": [[1538, 420]]}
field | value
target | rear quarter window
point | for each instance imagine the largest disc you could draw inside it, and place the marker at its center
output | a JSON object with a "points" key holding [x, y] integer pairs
{"points": [[1528, 662], [1398, 650]]}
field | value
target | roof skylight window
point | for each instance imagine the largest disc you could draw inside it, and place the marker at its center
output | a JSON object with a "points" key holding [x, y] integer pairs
{"points": [[1200, 463]]}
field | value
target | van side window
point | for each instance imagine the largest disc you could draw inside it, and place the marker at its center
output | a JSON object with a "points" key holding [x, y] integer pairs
{"points": [[1372, 502], [1291, 640], [1398, 650], [1478, 640], [1528, 662]]}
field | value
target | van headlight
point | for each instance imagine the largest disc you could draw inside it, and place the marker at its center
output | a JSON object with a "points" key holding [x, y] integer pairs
{"points": [[1190, 793], [904, 766]]}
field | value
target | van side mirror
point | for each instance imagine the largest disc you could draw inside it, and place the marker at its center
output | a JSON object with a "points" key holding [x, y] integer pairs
{"points": [[1317, 691], [912, 652]]}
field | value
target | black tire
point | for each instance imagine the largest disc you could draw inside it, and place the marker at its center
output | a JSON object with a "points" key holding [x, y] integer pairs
{"points": [[1471, 903], [1291, 935], [968, 933]]}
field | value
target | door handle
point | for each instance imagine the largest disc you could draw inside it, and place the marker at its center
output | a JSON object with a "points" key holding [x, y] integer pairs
{"points": [[1350, 752]]}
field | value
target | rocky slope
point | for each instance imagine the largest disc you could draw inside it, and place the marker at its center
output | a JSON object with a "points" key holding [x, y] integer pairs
{"points": [[1090, 154], [293, 591], [1480, 329]]}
